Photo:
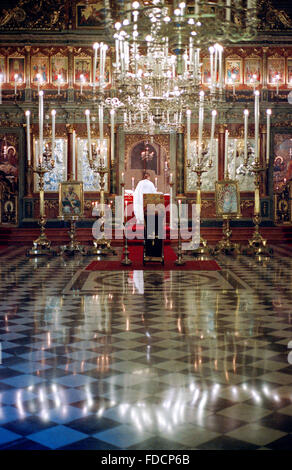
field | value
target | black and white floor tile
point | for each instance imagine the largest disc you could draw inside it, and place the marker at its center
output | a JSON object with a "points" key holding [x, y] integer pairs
{"points": [[145, 360]]}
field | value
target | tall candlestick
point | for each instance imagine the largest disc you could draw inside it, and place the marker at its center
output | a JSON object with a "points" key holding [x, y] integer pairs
{"points": [[95, 47], [53, 132], [112, 112], [214, 113], [269, 112], [256, 123], [211, 50], [228, 10], [100, 116], [41, 126], [27, 114], [226, 154], [189, 134], [87, 113], [201, 122], [246, 113]]}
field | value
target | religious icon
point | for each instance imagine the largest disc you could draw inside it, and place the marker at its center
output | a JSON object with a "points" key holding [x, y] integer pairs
{"points": [[71, 200], [16, 67], [276, 71], [252, 71], [39, 70], [59, 67], [282, 167], [90, 15], [227, 198], [82, 69], [233, 69]]}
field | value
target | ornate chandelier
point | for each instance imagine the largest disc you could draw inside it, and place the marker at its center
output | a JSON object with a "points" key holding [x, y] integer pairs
{"points": [[157, 65]]}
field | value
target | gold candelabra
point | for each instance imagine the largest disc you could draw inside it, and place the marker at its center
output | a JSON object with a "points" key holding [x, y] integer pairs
{"points": [[42, 245], [101, 246], [225, 245], [257, 245], [199, 246], [74, 246]]}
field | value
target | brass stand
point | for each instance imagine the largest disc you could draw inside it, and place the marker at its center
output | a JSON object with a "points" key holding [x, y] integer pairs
{"points": [[126, 261], [257, 245], [199, 247], [74, 246], [102, 246], [180, 261], [225, 245], [42, 245]]}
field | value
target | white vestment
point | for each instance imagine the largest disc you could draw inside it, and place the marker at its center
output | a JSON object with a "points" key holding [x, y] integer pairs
{"points": [[143, 187]]}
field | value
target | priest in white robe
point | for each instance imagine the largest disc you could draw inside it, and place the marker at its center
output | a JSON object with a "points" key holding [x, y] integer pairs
{"points": [[144, 186]]}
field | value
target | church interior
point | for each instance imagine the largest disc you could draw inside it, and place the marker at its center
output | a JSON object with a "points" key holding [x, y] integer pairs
{"points": [[175, 333]]}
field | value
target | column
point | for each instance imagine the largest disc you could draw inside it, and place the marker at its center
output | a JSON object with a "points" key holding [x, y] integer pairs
{"points": [[180, 160], [221, 151], [70, 130]]}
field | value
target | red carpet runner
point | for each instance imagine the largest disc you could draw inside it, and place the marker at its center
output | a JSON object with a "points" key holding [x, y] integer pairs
{"points": [[136, 256]]}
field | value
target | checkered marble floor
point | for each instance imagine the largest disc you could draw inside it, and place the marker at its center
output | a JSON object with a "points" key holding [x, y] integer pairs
{"points": [[145, 360]]}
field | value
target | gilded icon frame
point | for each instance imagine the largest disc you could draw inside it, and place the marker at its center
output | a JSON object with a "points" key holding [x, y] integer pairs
{"points": [[77, 190], [222, 204]]}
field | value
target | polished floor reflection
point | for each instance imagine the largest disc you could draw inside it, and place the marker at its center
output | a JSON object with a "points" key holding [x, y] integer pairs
{"points": [[145, 360]]}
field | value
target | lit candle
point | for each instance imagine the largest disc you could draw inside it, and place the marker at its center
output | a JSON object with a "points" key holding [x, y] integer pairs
{"points": [[277, 83], [228, 10], [214, 114], [155, 182], [246, 113], [201, 121], [15, 83], [189, 133], [133, 183], [170, 178], [211, 50], [220, 50], [41, 126], [123, 177], [100, 116], [234, 156], [112, 112], [87, 113], [95, 47], [53, 131], [39, 78], [226, 153], [256, 123], [27, 114], [269, 112]]}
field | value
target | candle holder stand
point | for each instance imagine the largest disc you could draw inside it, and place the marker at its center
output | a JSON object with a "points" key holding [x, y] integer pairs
{"points": [[257, 245], [74, 246], [126, 261], [199, 246], [101, 246], [42, 245], [180, 261], [225, 245]]}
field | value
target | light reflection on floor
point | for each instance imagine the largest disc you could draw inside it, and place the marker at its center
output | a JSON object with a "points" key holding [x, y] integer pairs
{"points": [[145, 360]]}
